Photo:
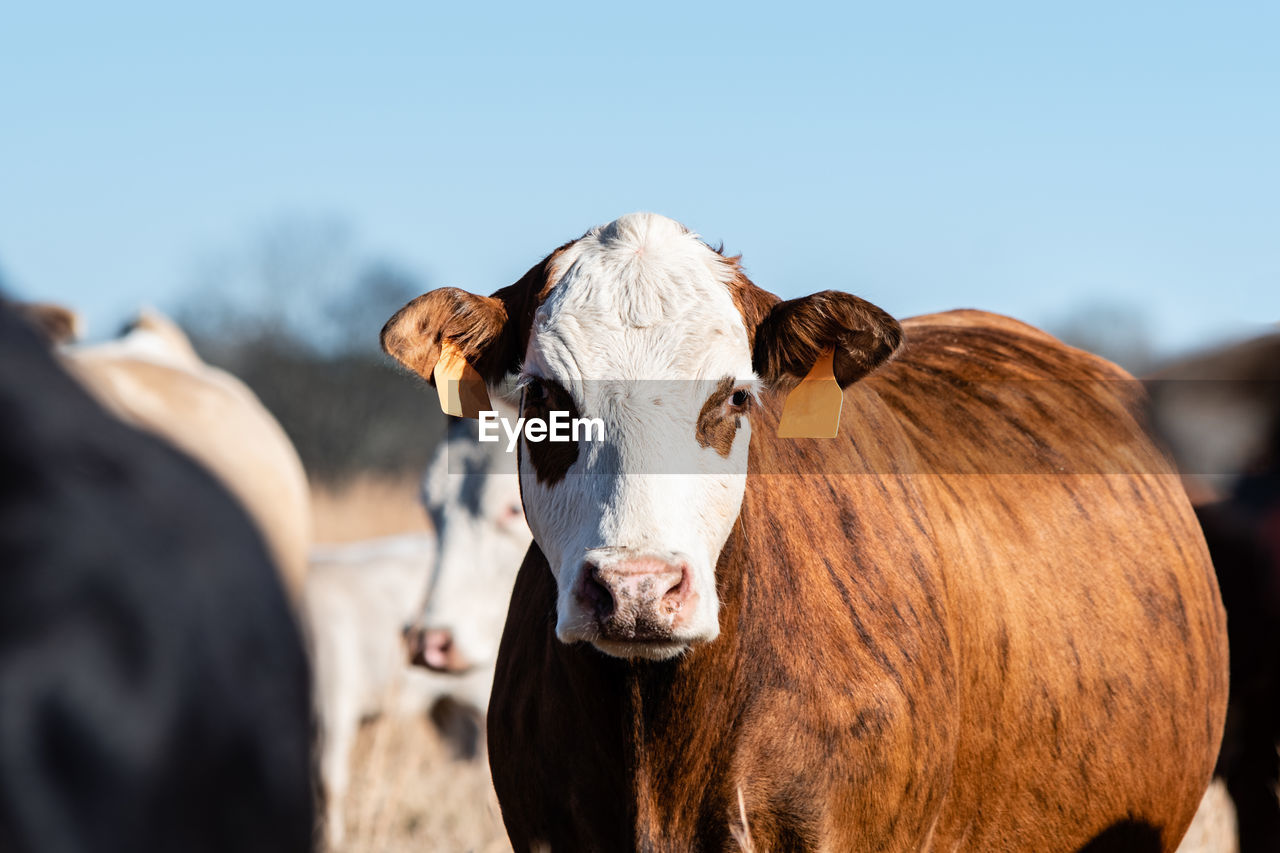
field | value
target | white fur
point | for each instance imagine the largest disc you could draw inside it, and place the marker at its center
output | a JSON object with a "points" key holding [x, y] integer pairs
{"points": [[354, 603], [640, 328], [479, 553]]}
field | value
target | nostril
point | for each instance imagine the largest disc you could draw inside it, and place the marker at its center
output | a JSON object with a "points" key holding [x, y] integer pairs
{"points": [[676, 596], [437, 649], [594, 593]]}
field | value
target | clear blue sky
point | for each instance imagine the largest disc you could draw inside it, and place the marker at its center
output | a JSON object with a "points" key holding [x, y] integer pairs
{"points": [[1022, 157]]}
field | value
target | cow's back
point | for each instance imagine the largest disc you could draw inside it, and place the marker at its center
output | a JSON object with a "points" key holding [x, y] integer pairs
{"points": [[217, 420], [1087, 627], [1002, 591]]}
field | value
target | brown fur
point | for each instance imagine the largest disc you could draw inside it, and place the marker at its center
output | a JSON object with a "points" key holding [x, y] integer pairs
{"points": [[493, 333], [54, 323], [477, 325], [794, 333], [916, 653], [753, 303], [472, 323]]}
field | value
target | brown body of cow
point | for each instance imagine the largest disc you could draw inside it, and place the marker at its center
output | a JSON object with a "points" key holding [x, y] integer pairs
{"points": [[994, 627]]}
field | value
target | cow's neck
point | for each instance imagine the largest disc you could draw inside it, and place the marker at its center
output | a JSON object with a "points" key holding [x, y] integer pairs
{"points": [[663, 731], [677, 723]]}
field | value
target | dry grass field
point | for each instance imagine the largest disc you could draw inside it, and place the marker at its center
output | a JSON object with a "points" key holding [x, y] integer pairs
{"points": [[366, 507], [411, 791]]}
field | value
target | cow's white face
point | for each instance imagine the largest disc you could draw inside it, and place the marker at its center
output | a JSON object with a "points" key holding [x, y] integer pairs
{"points": [[472, 494], [640, 324], [639, 330]]}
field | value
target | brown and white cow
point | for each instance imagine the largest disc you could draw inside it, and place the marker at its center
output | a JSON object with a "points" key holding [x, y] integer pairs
{"points": [[981, 618]]}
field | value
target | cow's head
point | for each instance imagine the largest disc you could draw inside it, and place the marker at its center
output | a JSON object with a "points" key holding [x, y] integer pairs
{"points": [[471, 492], [642, 325]]}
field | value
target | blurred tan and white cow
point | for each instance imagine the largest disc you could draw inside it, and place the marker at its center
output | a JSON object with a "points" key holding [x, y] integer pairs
{"points": [[152, 378]]}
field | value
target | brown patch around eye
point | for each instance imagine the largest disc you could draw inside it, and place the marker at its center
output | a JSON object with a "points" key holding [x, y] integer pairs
{"points": [[551, 459], [716, 426]]}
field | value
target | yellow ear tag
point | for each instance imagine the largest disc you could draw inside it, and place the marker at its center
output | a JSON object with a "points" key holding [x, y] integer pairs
{"points": [[462, 392], [812, 409]]}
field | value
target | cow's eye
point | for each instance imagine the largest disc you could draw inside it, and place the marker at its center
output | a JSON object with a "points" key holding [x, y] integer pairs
{"points": [[535, 392], [740, 398]]}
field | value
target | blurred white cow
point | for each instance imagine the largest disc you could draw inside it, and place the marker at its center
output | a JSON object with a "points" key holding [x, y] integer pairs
{"points": [[356, 597], [360, 596], [472, 494]]}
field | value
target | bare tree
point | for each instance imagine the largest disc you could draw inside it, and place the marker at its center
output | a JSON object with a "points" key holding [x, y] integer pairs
{"points": [[296, 315]]}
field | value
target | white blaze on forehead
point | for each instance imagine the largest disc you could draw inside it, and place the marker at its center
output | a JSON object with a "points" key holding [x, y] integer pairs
{"points": [[640, 298]]}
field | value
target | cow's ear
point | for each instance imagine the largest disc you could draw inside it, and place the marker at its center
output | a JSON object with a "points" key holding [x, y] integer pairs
{"points": [[489, 332], [474, 325], [54, 323], [796, 332]]}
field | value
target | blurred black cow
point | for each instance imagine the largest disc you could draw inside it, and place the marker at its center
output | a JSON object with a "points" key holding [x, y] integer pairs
{"points": [[1220, 415], [154, 692]]}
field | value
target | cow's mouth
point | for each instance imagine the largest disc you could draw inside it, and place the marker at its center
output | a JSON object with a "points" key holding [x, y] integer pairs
{"points": [[630, 641], [637, 633], [646, 649]]}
